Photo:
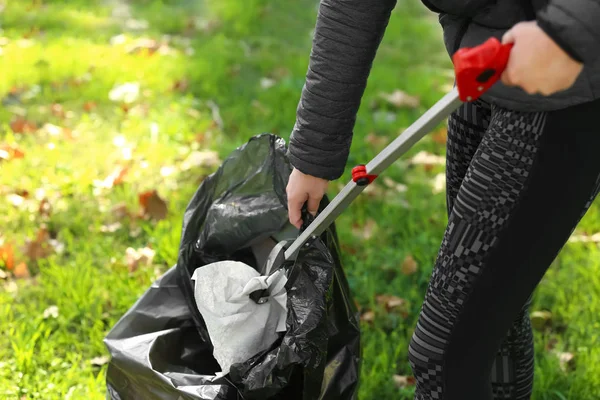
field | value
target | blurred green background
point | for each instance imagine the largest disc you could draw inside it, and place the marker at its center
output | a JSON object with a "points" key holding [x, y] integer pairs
{"points": [[113, 111]]}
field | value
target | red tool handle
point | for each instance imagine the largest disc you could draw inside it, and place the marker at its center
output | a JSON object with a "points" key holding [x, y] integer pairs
{"points": [[478, 68]]}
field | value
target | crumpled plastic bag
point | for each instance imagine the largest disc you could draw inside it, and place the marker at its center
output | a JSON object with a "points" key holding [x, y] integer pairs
{"points": [[161, 348], [239, 328]]}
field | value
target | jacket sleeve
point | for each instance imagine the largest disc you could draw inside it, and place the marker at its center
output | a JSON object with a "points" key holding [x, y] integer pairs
{"points": [[575, 26], [346, 38]]}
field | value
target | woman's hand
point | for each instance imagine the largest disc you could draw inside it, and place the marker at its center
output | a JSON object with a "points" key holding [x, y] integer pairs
{"points": [[304, 188], [537, 64]]}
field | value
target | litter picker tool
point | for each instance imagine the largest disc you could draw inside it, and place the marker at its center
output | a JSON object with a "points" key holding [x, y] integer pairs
{"points": [[476, 70]]}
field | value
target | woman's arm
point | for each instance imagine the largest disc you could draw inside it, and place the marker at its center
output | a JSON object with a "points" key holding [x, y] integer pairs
{"points": [[346, 39], [575, 26]]}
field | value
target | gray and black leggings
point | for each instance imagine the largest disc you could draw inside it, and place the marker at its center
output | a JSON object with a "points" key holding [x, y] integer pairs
{"points": [[517, 185]]}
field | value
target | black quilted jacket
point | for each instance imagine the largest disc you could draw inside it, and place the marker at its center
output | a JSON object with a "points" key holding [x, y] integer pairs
{"points": [[348, 33]]}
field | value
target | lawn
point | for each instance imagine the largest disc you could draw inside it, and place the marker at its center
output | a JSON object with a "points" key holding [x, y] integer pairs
{"points": [[113, 111]]}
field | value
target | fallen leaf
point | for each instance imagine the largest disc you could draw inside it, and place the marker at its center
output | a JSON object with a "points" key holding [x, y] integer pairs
{"points": [[116, 177], [52, 130], [595, 238], [139, 258], [21, 271], [181, 85], [365, 231], [23, 193], [57, 110], [167, 170], [396, 186], [45, 208], [147, 44], [3, 274], [390, 302], [100, 361], [266, 83], [400, 99], [21, 125], [540, 320], [409, 265], [7, 256], [111, 228], [120, 211], [438, 183], [152, 205], [368, 316], [216, 114], [126, 93], [440, 136], [566, 361], [280, 73], [51, 311], [552, 342], [39, 247], [402, 381], [376, 140], [201, 159], [89, 106], [8, 152], [137, 24], [427, 159], [118, 40], [15, 199], [374, 190]]}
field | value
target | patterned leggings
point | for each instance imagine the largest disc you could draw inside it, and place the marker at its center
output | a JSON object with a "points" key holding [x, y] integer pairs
{"points": [[517, 185]]}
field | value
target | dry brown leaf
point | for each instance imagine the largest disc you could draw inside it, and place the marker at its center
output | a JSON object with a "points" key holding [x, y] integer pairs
{"points": [[10, 152], [584, 238], [21, 125], [200, 159], [376, 140], [120, 211], [139, 258], [540, 320], [438, 183], [365, 231], [150, 46], [390, 302], [368, 316], [552, 342], [402, 381], [116, 177], [153, 205], [100, 361], [51, 311], [409, 265], [7, 256], [566, 361], [89, 106], [21, 271], [401, 99], [45, 208], [111, 228], [427, 159], [181, 85], [52, 130], [440, 136], [396, 186], [40, 246], [57, 110]]}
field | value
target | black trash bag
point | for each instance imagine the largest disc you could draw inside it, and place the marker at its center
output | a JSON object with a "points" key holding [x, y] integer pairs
{"points": [[161, 348]]}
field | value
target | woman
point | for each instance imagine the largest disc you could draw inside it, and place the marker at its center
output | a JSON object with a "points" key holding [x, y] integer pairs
{"points": [[523, 166]]}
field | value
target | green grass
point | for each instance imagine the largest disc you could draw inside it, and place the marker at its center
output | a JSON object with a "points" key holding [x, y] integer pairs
{"points": [[67, 59]]}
